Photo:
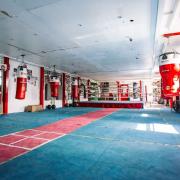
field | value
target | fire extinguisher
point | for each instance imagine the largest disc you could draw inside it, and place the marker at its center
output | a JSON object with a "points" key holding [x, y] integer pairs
{"points": [[21, 86]]}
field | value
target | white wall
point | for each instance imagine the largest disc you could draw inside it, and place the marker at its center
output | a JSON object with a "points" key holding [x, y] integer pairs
{"points": [[32, 94]]}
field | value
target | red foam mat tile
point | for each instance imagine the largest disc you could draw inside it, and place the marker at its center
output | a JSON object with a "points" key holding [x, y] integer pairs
{"points": [[70, 124], [49, 136], [49, 128], [28, 132], [30, 143], [8, 139], [8, 152]]}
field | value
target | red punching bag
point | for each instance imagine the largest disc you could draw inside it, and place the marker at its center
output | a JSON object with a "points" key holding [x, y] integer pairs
{"points": [[21, 86], [54, 83], [170, 72], [75, 94]]}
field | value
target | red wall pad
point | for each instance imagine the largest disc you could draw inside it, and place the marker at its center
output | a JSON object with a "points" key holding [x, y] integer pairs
{"points": [[118, 90], [63, 89], [41, 91], [78, 88], [5, 86], [140, 84], [88, 88]]}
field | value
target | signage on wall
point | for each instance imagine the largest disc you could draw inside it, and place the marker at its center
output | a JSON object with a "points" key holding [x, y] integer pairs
{"points": [[31, 79]]}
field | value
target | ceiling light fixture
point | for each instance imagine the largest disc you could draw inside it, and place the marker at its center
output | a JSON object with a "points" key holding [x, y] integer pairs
{"points": [[6, 14], [119, 17]]}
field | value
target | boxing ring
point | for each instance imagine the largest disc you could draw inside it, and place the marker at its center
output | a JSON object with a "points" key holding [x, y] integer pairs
{"points": [[112, 104], [125, 94]]}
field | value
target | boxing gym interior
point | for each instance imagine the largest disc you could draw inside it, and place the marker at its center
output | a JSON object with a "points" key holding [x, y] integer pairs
{"points": [[90, 89]]}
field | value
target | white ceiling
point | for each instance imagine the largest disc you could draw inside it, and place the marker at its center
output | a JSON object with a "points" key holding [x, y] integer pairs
{"points": [[167, 22], [89, 37]]}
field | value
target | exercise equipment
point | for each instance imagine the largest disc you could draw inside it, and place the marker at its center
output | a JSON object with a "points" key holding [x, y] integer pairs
{"points": [[52, 105], [124, 92], [75, 90], [54, 80], [21, 86], [54, 83], [170, 71], [169, 67], [135, 90]]}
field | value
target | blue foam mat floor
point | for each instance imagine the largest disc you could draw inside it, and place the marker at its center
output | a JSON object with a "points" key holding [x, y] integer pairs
{"points": [[19, 121], [110, 148]]}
